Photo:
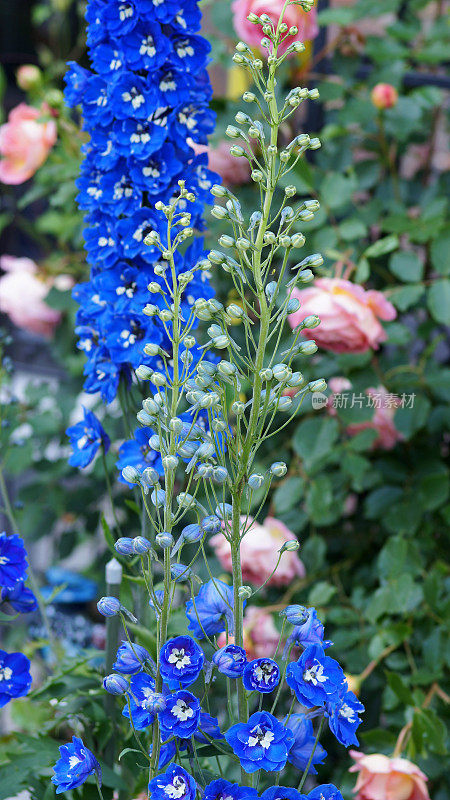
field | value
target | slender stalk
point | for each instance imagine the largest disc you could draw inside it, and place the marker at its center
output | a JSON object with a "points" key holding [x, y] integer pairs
{"points": [[316, 742]]}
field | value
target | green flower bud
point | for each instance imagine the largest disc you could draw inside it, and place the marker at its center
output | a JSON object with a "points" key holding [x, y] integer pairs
{"points": [[238, 408], [143, 372], [150, 310], [289, 547], [152, 239], [257, 176], [237, 151], [219, 212], [243, 244], [245, 592], [317, 386], [278, 469], [298, 240], [286, 241], [313, 94], [266, 374], [170, 463], [232, 132], [311, 322], [221, 342], [152, 349], [176, 425], [158, 379], [296, 380], [226, 368], [315, 144], [293, 305], [249, 97], [189, 341], [219, 191], [226, 241], [307, 348], [284, 403], [290, 191], [305, 276]]}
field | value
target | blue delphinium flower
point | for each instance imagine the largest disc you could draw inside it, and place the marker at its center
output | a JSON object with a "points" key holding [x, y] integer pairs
{"points": [[144, 105], [166, 753], [261, 675], [142, 688], [137, 453], [21, 598], [74, 766], [180, 661], [282, 793], [315, 677], [221, 789], [213, 605], [180, 716], [209, 726], [304, 738], [343, 717], [13, 561], [230, 660], [86, 437], [130, 659], [15, 678], [327, 791], [175, 783], [261, 743], [311, 631]]}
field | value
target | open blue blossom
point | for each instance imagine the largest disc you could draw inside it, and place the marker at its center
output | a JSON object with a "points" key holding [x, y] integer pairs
{"points": [[309, 632], [21, 598], [174, 784], [230, 660], [261, 743], [13, 561], [15, 678], [181, 661], [315, 677], [144, 104], [212, 606], [343, 717], [74, 766], [282, 793], [180, 716], [166, 753], [261, 675], [304, 738], [141, 689], [221, 789], [130, 659], [209, 726], [86, 437], [327, 791]]}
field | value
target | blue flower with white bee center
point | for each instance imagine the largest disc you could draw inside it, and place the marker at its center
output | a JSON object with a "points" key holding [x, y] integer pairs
{"points": [[181, 715], [261, 743], [343, 717], [315, 677], [174, 784], [74, 766], [261, 675], [140, 703], [13, 561], [181, 661], [86, 438], [15, 678]]}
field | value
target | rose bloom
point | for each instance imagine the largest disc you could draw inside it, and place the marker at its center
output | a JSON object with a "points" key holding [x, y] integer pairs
{"points": [[233, 171], [22, 295], [349, 315], [383, 95], [24, 143], [259, 553], [28, 77], [260, 634], [383, 778], [294, 15]]}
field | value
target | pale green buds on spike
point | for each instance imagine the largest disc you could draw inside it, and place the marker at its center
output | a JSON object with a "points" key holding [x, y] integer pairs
{"points": [[207, 367], [226, 368], [214, 305], [219, 191], [176, 425], [285, 156], [237, 151], [185, 277], [254, 132], [152, 239], [284, 403], [151, 476], [152, 349], [313, 94], [270, 290], [235, 311], [158, 379], [131, 475], [185, 500], [296, 380], [272, 150], [266, 20], [238, 59], [286, 241], [219, 425], [293, 305], [266, 374], [186, 234], [297, 47], [281, 372], [314, 260], [315, 144], [150, 310], [311, 322], [144, 418], [278, 469], [249, 97], [256, 480], [305, 276], [307, 348], [293, 31], [257, 176], [290, 191], [215, 257], [298, 240], [284, 28], [170, 463], [227, 241], [289, 547], [219, 212], [188, 342], [317, 386], [143, 372], [253, 18], [258, 64], [306, 215], [232, 132], [220, 474], [243, 119], [245, 592], [221, 342], [154, 288], [238, 408], [267, 30], [243, 244], [154, 442], [270, 238], [164, 540], [209, 400], [312, 205], [241, 47], [150, 406]]}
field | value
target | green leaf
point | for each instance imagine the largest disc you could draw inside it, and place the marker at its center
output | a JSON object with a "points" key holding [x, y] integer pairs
{"points": [[314, 440], [439, 251], [406, 266], [399, 687], [438, 301], [321, 593], [382, 246], [410, 420], [406, 296], [313, 553], [428, 732], [336, 190], [288, 494], [380, 500]]}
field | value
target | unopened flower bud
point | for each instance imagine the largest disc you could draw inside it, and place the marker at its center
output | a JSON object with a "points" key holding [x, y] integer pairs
{"points": [[109, 606], [219, 475], [384, 96], [295, 614], [289, 547], [115, 684], [317, 386], [311, 322], [124, 546], [164, 540], [143, 372], [151, 476], [249, 97], [28, 77], [255, 481], [278, 468], [170, 463], [298, 240], [141, 545], [245, 592], [180, 572], [131, 475]]}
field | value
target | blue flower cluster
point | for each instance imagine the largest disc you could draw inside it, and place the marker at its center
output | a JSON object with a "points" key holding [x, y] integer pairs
{"points": [[145, 105], [15, 677]]}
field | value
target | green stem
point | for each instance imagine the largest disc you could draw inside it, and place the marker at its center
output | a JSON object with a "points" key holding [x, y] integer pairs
{"points": [[316, 742]]}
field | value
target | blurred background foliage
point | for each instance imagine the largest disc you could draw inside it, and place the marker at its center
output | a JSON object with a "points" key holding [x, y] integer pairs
{"points": [[373, 522]]}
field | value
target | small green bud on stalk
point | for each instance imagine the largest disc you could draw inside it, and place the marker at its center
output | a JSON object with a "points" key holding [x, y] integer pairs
{"points": [[241, 47], [290, 547], [150, 310], [296, 380], [313, 94], [286, 241], [143, 372], [220, 474], [176, 425], [243, 244], [232, 132], [245, 592], [255, 481], [278, 469], [144, 418], [307, 348], [237, 151], [293, 305], [170, 463], [154, 288], [290, 191], [219, 212], [165, 315], [269, 237], [298, 240], [266, 374], [152, 349], [315, 144], [249, 97], [238, 408], [152, 238], [219, 191], [284, 403], [311, 322], [253, 18], [158, 379], [227, 241], [281, 372], [257, 176], [317, 386]]}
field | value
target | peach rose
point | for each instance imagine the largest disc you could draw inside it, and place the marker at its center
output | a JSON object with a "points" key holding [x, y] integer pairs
{"points": [[22, 295], [293, 15], [383, 95], [260, 634], [24, 144], [383, 778], [233, 171], [259, 553], [349, 315]]}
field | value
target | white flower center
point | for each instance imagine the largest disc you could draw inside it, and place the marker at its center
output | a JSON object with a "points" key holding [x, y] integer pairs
{"points": [[176, 789], [347, 712], [5, 674], [315, 675], [125, 12], [185, 49], [3, 560], [263, 738], [73, 761], [179, 658], [182, 711], [147, 47], [263, 672]]}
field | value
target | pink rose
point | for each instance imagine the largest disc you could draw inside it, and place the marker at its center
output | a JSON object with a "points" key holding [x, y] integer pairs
{"points": [[233, 171], [260, 634], [385, 405], [259, 553], [22, 294], [28, 77], [349, 315], [294, 15], [383, 95], [383, 778], [24, 143]]}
